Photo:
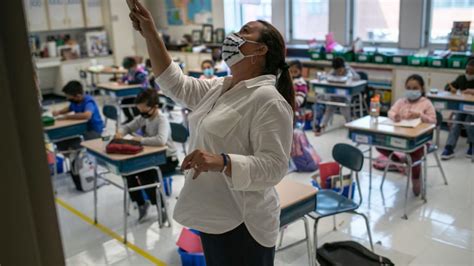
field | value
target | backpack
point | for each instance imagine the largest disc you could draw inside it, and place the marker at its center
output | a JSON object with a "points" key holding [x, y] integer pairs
{"points": [[303, 155], [349, 253], [124, 146], [82, 172]]}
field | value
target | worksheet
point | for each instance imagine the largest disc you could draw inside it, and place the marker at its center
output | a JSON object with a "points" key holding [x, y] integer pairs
{"points": [[412, 123]]}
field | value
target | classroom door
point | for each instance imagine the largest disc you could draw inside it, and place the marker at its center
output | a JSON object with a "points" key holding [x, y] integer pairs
{"points": [[122, 30]]}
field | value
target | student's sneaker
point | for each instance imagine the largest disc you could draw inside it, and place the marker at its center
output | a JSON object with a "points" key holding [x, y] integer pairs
{"points": [[469, 152], [447, 154], [143, 211]]}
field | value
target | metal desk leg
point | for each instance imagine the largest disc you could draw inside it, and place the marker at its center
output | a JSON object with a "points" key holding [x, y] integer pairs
{"points": [[95, 193], [361, 111], [370, 166], [55, 167], [125, 209], [409, 169], [425, 173], [160, 190]]}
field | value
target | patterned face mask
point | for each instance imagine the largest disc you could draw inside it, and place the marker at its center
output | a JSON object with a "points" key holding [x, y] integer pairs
{"points": [[231, 53]]}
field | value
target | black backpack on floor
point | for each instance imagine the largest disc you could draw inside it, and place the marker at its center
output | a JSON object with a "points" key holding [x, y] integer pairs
{"points": [[349, 253]]}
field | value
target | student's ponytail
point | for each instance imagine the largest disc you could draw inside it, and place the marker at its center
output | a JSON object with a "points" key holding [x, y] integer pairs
{"points": [[275, 62]]}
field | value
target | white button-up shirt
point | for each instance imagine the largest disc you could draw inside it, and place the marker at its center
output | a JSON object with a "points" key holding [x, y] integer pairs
{"points": [[252, 123]]}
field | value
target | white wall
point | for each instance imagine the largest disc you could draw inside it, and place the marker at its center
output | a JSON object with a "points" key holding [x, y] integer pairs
{"points": [[158, 10]]}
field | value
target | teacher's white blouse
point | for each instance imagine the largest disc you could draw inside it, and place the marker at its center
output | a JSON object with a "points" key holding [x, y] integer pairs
{"points": [[252, 123]]}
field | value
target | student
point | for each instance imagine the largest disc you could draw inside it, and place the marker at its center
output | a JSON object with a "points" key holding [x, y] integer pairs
{"points": [[136, 75], [299, 84], [84, 107], [207, 67], [340, 69], [219, 64], [413, 105], [465, 84], [156, 132]]}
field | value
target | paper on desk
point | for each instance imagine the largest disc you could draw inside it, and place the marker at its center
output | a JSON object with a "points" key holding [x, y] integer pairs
{"points": [[128, 137], [403, 123]]}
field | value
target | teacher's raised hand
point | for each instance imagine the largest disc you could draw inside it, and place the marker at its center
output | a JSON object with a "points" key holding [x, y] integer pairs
{"points": [[142, 20]]}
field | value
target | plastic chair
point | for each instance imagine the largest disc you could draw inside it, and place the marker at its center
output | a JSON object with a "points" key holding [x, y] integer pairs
{"points": [[110, 112], [331, 203], [180, 134]]}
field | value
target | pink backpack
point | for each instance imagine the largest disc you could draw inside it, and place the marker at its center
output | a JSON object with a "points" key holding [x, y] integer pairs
{"points": [[303, 155]]}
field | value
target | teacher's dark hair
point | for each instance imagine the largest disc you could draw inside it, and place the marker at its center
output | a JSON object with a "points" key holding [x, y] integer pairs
{"points": [[275, 61]]}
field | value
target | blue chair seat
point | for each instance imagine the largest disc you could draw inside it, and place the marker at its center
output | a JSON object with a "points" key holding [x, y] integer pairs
{"points": [[330, 202], [294, 212]]}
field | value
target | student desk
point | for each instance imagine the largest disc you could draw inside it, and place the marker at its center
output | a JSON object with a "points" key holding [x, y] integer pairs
{"points": [[123, 165], [118, 92], [296, 201], [457, 103], [64, 129], [95, 72], [348, 89], [196, 73], [366, 132]]}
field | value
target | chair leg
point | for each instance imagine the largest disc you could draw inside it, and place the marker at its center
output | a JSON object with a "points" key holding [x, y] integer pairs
{"points": [[334, 228], [368, 228], [280, 241], [125, 200], [389, 159], [409, 169], [438, 162], [308, 241], [315, 235]]}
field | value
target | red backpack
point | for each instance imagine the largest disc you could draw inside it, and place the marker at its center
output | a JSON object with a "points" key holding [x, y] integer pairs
{"points": [[303, 155]]}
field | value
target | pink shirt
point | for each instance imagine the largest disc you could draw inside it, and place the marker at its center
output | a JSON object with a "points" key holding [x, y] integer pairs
{"points": [[424, 106]]}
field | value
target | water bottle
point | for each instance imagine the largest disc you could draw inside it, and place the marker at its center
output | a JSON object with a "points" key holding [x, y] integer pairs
{"points": [[375, 108]]}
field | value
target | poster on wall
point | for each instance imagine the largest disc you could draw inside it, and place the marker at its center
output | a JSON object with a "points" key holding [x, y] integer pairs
{"points": [[188, 12], [459, 36], [97, 44]]}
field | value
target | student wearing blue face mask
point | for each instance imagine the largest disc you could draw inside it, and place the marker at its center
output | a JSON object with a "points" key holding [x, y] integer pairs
{"points": [[207, 67], [465, 84]]}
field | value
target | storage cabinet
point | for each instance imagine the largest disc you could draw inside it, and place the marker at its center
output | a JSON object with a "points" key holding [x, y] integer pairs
{"points": [[65, 14], [93, 13], [36, 15]]}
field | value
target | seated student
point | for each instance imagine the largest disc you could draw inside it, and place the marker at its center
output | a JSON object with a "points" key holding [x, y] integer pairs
{"points": [[219, 64], [84, 107], [413, 105], [136, 75], [299, 84], [340, 69], [156, 132], [207, 67], [465, 84]]}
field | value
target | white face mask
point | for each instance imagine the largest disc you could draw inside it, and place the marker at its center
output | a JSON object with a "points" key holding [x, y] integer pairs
{"points": [[231, 53], [469, 77]]}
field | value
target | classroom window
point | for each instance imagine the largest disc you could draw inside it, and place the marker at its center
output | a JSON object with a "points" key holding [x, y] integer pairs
{"points": [[309, 19], [444, 13], [377, 20], [255, 10]]}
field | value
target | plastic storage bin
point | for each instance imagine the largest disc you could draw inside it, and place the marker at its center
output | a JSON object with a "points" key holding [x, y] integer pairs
{"points": [[435, 61], [417, 60], [457, 61], [191, 259], [317, 55], [381, 58], [348, 56], [398, 60], [364, 57]]}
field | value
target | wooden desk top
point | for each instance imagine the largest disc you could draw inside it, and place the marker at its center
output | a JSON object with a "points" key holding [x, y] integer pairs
{"points": [[60, 123], [117, 86], [446, 95], [96, 145], [365, 125], [291, 192], [348, 84], [107, 70]]}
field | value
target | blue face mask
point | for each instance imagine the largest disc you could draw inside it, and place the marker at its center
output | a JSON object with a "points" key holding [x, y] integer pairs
{"points": [[208, 72], [413, 95]]}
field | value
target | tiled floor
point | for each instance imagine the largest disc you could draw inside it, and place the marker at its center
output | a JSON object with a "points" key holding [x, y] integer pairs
{"points": [[439, 232]]}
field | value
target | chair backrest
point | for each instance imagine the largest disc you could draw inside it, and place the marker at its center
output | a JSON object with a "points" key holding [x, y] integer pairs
{"points": [[439, 118], [179, 133], [363, 75], [348, 156], [110, 111]]}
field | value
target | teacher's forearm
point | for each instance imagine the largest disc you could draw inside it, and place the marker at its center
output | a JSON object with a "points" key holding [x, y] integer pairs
{"points": [[159, 56]]}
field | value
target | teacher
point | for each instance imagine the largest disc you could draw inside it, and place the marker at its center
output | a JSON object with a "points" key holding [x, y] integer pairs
{"points": [[241, 133]]}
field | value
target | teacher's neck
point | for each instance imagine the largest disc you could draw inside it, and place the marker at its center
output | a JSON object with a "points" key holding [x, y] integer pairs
{"points": [[244, 72]]}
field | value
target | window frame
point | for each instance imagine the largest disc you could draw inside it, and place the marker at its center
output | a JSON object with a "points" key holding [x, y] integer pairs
{"points": [[289, 24]]}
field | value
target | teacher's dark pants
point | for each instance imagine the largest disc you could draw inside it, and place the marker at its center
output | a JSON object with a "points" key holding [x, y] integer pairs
{"points": [[236, 247]]}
